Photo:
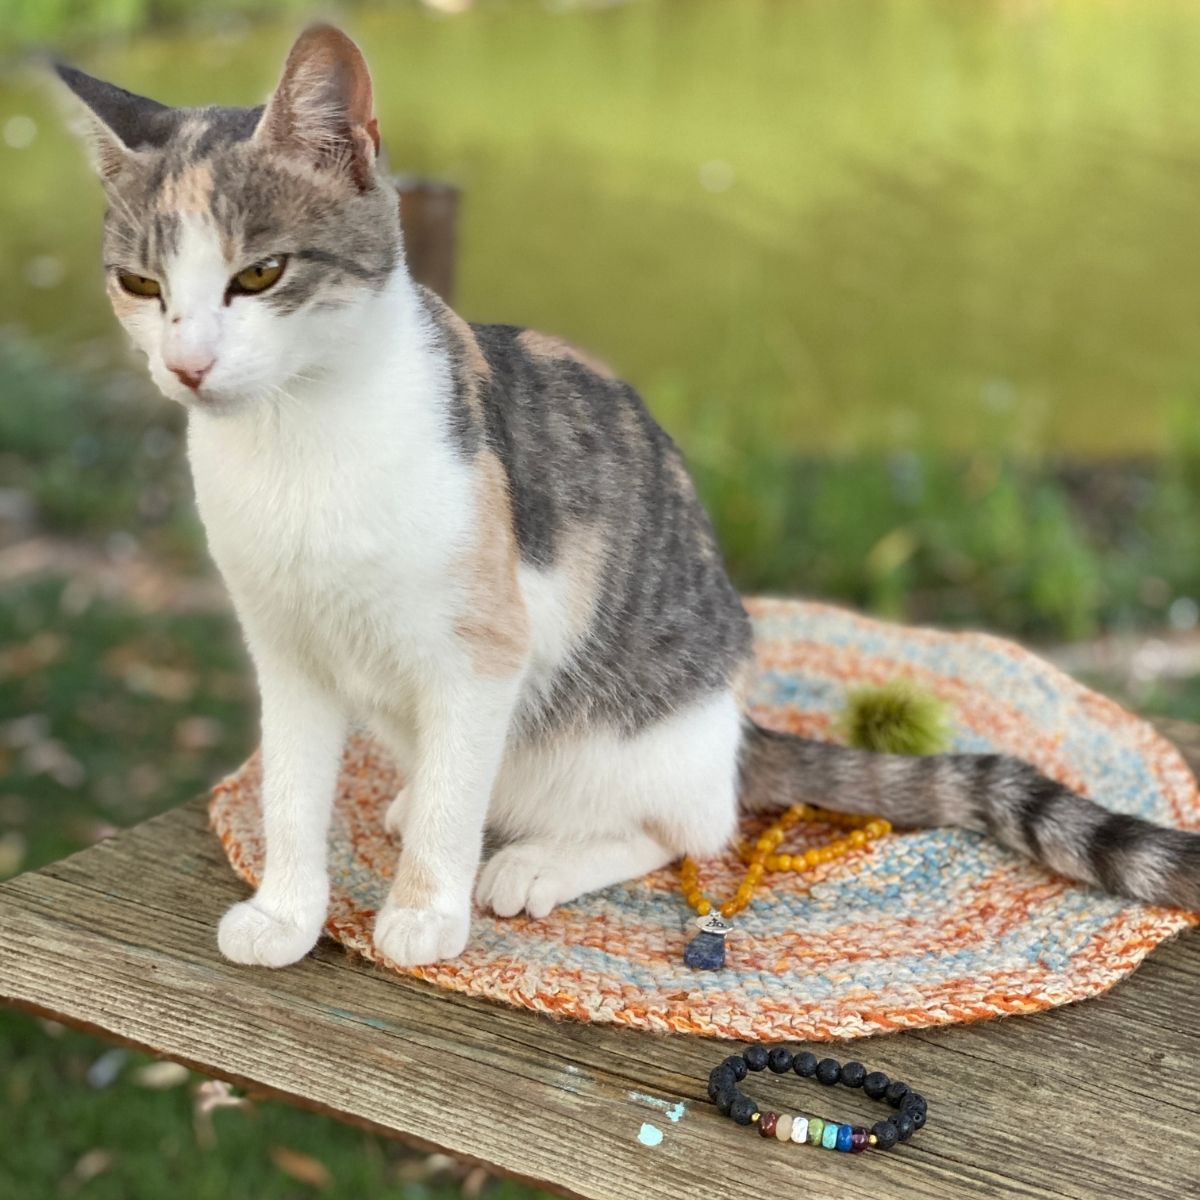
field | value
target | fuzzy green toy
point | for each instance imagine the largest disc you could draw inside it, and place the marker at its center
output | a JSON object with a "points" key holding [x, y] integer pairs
{"points": [[895, 718]]}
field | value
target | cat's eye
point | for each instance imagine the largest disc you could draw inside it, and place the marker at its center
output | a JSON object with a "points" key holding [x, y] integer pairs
{"points": [[258, 276], [139, 285]]}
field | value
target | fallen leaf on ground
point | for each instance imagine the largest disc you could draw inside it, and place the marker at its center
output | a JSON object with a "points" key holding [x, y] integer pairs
{"points": [[94, 1162], [209, 1096], [160, 1075], [301, 1167], [199, 733], [104, 1071], [12, 853]]}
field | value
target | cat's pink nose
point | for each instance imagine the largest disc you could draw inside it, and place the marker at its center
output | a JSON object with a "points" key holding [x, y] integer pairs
{"points": [[191, 377]]}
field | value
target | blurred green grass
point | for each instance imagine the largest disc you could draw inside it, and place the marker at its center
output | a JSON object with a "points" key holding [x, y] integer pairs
{"points": [[1033, 547]]}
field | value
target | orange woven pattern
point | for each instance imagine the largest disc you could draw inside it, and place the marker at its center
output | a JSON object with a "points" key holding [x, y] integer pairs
{"points": [[923, 928]]}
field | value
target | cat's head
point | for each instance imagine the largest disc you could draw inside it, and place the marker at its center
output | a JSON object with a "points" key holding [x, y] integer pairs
{"points": [[241, 244]]}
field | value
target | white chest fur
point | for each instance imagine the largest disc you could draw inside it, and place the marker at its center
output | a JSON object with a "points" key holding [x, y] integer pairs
{"points": [[335, 518]]}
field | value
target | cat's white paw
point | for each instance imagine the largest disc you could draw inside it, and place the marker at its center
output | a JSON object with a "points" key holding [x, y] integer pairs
{"points": [[411, 937], [251, 934], [397, 814], [527, 877]]}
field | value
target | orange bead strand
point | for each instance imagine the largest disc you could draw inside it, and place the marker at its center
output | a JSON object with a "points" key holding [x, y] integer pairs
{"points": [[762, 858]]}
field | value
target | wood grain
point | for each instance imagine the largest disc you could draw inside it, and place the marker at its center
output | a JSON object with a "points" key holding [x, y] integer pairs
{"points": [[1090, 1100]]}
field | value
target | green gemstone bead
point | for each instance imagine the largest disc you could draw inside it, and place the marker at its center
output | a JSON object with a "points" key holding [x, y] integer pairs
{"points": [[815, 1126], [829, 1135]]}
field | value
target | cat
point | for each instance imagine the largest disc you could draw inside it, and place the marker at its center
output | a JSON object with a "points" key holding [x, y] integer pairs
{"points": [[476, 541]]}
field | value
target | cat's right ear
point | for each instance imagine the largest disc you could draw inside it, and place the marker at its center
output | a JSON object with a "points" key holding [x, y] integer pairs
{"points": [[322, 109], [115, 123]]}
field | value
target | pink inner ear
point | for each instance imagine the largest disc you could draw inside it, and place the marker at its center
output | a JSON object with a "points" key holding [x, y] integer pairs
{"points": [[325, 82]]}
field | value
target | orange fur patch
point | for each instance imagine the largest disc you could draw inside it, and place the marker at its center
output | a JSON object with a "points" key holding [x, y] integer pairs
{"points": [[546, 345], [413, 886], [581, 560], [189, 191], [496, 624]]}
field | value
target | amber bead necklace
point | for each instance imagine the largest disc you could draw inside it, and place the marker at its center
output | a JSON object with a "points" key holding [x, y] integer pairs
{"points": [[707, 949]]}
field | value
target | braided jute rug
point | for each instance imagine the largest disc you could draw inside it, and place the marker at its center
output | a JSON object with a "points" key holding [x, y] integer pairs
{"points": [[922, 928]]}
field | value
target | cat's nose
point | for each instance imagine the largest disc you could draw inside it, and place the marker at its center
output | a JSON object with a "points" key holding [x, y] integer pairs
{"points": [[191, 376]]}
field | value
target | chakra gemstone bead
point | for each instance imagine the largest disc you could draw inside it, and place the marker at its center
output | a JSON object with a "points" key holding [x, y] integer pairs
{"points": [[859, 1139], [737, 1064], [766, 1126], [876, 1084], [896, 1093], [816, 1130], [799, 1129], [829, 1071], [779, 1060], [904, 1124], [853, 1074], [845, 1138], [886, 1134], [705, 952], [805, 1064], [755, 1057], [829, 1135], [742, 1110], [783, 1128]]}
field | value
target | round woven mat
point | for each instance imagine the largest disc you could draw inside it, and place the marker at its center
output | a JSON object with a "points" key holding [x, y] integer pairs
{"points": [[924, 928]]}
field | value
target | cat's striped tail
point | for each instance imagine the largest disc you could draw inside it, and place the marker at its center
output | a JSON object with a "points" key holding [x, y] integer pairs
{"points": [[994, 794]]}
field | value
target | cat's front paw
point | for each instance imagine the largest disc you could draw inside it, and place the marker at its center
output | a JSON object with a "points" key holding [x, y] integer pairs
{"points": [[249, 933], [411, 937]]}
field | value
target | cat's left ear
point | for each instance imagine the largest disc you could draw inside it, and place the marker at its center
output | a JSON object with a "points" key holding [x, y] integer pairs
{"points": [[323, 108], [117, 124]]}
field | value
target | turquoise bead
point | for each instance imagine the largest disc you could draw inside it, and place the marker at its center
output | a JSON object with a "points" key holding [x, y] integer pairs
{"points": [[829, 1135], [844, 1138]]}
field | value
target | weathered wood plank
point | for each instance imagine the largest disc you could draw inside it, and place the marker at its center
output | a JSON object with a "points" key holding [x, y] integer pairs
{"points": [[1091, 1099]]}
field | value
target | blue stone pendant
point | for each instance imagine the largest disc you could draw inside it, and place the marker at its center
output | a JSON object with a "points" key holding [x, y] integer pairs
{"points": [[706, 951]]}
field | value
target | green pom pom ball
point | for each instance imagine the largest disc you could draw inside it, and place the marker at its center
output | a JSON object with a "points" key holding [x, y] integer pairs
{"points": [[896, 718]]}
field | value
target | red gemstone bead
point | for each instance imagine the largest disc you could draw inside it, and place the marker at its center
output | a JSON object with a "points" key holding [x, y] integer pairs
{"points": [[767, 1125], [860, 1139]]}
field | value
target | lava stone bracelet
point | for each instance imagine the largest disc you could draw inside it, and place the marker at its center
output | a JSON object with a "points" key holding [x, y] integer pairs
{"points": [[724, 1092]]}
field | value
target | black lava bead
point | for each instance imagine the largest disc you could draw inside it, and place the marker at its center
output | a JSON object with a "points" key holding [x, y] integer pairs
{"points": [[742, 1110], [876, 1084], [755, 1057], [720, 1078], [896, 1093], [737, 1064], [853, 1074], [779, 1060], [916, 1116], [829, 1071], [805, 1064], [904, 1123], [886, 1134], [913, 1103], [724, 1100]]}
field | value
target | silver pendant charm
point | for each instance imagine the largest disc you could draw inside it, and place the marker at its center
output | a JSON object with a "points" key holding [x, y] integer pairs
{"points": [[714, 923]]}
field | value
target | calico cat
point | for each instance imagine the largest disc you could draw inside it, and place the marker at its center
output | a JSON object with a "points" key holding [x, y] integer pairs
{"points": [[475, 540]]}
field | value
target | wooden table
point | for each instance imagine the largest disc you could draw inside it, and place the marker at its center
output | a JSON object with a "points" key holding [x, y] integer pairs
{"points": [[1097, 1099]]}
